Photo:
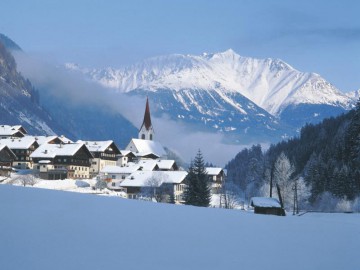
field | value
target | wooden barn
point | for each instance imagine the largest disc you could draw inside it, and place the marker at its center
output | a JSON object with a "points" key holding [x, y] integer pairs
{"points": [[267, 206]]}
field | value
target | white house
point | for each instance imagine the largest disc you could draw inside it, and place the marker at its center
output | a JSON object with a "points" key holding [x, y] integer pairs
{"points": [[60, 161], [104, 154], [174, 181], [216, 178], [124, 157], [146, 149]]}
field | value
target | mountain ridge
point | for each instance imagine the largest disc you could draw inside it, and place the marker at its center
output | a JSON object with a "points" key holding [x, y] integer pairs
{"points": [[272, 84]]}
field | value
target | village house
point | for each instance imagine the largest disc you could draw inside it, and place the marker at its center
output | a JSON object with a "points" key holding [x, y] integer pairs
{"points": [[267, 206], [114, 175], [12, 131], [124, 157], [104, 154], [216, 178], [171, 181], [22, 148], [146, 149], [60, 161], [6, 159]]}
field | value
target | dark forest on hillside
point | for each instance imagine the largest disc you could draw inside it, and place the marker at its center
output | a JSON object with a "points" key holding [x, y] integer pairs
{"points": [[325, 158]]}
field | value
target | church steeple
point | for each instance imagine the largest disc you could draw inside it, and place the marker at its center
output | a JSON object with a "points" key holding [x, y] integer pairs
{"points": [[146, 131]]}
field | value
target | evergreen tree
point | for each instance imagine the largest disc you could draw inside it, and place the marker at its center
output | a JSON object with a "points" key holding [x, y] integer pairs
{"points": [[189, 195], [198, 189], [171, 197]]}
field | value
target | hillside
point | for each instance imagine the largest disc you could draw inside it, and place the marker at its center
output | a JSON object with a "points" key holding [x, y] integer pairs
{"points": [[325, 156], [42, 229], [48, 108], [19, 100]]}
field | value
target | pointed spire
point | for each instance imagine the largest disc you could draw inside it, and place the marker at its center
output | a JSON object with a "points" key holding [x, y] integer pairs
{"points": [[147, 117]]}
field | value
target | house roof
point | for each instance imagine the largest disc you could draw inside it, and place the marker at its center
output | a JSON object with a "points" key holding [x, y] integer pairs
{"points": [[264, 202], [213, 171], [65, 139], [165, 164], [6, 130], [5, 147], [125, 153], [42, 139], [147, 164], [142, 178], [53, 150], [19, 143], [100, 146], [120, 170], [145, 147]]}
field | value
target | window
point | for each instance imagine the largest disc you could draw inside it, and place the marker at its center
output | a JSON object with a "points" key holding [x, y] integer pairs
{"points": [[150, 137], [113, 184], [143, 136], [113, 176]]}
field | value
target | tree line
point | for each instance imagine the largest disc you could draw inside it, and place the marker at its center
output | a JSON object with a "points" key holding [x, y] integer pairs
{"points": [[322, 164]]}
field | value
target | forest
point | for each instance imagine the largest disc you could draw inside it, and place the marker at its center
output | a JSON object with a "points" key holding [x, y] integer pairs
{"points": [[322, 165]]}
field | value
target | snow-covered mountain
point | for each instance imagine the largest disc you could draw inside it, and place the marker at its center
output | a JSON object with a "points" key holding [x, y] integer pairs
{"points": [[270, 83], [227, 91]]}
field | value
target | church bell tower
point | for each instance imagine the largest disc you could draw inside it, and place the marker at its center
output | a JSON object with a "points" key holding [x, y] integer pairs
{"points": [[146, 131]]}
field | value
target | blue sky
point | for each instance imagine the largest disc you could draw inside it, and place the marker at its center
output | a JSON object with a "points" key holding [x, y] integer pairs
{"points": [[321, 36]]}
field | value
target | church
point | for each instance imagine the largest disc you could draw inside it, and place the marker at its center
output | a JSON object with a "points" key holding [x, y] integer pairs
{"points": [[145, 147]]}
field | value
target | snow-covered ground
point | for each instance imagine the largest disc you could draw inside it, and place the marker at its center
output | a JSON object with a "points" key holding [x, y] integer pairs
{"points": [[48, 229]]}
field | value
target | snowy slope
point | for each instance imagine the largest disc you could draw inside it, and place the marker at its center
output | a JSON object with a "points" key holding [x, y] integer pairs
{"points": [[270, 83], [43, 229]]}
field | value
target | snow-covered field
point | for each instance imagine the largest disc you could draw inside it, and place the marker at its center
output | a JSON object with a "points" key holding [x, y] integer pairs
{"points": [[48, 229]]}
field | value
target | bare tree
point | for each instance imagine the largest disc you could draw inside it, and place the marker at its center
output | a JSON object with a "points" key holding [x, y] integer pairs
{"points": [[283, 170], [230, 196], [156, 188], [24, 180]]}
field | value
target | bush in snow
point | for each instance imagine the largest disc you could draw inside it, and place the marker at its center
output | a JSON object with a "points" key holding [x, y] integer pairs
{"points": [[100, 184]]}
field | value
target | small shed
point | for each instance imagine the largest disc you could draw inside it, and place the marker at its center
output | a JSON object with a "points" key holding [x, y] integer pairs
{"points": [[267, 206]]}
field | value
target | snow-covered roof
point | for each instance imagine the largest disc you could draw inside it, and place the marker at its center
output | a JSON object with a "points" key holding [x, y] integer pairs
{"points": [[125, 153], [65, 139], [6, 130], [213, 171], [53, 150], [165, 164], [120, 170], [147, 164], [98, 146], [143, 178], [264, 202], [19, 143], [42, 139], [146, 146]]}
